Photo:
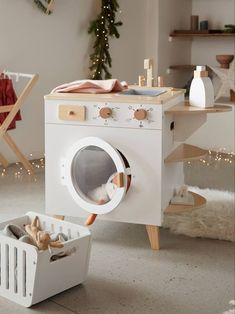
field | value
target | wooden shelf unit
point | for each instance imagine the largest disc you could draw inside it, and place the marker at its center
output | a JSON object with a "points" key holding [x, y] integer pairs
{"points": [[199, 201], [185, 152], [202, 34], [185, 108]]}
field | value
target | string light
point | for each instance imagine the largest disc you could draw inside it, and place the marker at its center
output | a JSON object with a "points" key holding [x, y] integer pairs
{"points": [[215, 157], [103, 27], [3, 172], [18, 172]]}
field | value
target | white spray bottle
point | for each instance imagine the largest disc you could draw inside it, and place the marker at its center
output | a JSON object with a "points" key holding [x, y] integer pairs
{"points": [[201, 92]]}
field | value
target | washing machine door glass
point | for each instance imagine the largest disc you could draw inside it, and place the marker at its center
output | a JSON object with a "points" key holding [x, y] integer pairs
{"points": [[97, 177]]}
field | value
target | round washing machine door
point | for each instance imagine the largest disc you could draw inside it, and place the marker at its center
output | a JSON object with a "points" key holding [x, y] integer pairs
{"points": [[96, 175]]}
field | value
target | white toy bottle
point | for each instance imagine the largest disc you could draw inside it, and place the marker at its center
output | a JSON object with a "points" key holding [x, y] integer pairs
{"points": [[201, 92]]}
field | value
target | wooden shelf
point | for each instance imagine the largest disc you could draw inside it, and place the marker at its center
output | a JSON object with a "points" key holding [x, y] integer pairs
{"points": [[199, 201], [190, 34], [183, 67], [185, 108], [185, 152]]}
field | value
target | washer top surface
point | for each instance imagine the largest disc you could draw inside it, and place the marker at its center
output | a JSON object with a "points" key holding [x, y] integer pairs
{"points": [[169, 94]]}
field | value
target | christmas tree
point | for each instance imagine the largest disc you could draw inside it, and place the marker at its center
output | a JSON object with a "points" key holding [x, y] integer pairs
{"points": [[103, 27]]}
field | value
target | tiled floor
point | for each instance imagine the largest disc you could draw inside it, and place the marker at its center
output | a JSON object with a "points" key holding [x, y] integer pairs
{"points": [[187, 276]]}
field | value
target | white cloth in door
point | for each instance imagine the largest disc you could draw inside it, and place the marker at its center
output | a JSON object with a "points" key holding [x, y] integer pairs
{"points": [[104, 192]]}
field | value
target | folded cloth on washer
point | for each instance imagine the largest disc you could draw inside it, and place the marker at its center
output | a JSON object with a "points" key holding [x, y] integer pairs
{"points": [[91, 87]]}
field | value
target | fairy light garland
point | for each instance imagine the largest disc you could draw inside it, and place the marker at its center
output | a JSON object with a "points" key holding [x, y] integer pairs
{"points": [[18, 172], [215, 157], [103, 27]]}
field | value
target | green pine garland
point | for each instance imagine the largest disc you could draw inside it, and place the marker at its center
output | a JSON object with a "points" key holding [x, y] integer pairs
{"points": [[42, 7], [103, 27], [229, 28]]}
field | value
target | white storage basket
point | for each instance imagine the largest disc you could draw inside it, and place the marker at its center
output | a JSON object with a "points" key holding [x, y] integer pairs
{"points": [[28, 276]]}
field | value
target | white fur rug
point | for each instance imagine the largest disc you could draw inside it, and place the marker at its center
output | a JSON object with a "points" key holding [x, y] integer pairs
{"points": [[215, 220]]}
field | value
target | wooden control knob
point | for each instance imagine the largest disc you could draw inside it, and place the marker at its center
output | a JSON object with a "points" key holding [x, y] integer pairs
{"points": [[140, 114], [105, 112]]}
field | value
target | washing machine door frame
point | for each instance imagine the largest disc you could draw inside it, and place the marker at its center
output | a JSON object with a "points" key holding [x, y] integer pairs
{"points": [[83, 201]]}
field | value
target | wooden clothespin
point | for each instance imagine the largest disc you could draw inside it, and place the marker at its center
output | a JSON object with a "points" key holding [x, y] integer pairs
{"points": [[148, 65], [141, 80], [160, 81]]}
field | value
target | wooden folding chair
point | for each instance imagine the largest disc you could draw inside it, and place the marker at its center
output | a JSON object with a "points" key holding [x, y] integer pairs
{"points": [[13, 109]]}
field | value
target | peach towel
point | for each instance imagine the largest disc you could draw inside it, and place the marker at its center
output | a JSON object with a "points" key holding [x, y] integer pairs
{"points": [[91, 87]]}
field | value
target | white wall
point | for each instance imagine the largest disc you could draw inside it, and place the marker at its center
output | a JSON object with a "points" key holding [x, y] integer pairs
{"points": [[58, 47], [173, 15], [218, 13], [151, 38], [145, 34], [128, 52], [218, 132], [138, 41], [54, 46]]}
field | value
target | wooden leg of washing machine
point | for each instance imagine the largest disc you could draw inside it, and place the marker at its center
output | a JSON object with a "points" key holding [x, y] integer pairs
{"points": [[153, 233], [60, 217]]}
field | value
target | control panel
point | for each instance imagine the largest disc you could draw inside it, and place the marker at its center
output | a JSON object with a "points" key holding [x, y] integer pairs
{"points": [[108, 114], [125, 115]]}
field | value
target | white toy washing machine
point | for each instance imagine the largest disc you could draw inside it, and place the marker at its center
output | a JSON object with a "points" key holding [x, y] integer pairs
{"points": [[91, 138]]}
